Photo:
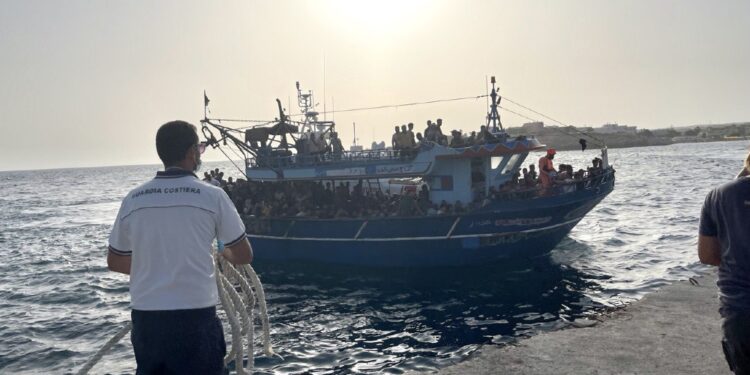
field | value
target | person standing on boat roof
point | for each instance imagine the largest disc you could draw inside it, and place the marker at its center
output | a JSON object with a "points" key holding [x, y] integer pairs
{"points": [[429, 132], [724, 241], [162, 238], [439, 136], [412, 141], [547, 170], [337, 147], [396, 140], [405, 142]]}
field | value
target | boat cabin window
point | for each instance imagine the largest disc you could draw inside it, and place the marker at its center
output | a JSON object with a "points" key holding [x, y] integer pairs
{"points": [[495, 161], [441, 183], [511, 163]]}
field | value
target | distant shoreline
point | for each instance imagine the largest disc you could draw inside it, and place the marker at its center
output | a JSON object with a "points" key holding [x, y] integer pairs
{"points": [[568, 143], [559, 142]]}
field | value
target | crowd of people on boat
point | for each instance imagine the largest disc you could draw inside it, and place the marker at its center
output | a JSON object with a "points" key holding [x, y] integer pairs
{"points": [[327, 200], [405, 141], [530, 182], [315, 147], [342, 199]]}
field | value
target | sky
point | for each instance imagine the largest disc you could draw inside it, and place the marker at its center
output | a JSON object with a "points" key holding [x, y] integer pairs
{"points": [[88, 83]]}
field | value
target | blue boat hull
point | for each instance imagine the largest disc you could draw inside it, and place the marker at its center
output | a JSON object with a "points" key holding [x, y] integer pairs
{"points": [[503, 229]]}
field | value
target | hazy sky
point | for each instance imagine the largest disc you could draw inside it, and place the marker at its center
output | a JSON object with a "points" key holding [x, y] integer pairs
{"points": [[86, 83]]}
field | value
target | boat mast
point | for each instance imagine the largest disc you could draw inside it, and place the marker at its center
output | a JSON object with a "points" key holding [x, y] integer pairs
{"points": [[493, 117]]}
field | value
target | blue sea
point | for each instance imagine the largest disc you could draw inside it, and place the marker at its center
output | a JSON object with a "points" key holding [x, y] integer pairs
{"points": [[59, 304]]}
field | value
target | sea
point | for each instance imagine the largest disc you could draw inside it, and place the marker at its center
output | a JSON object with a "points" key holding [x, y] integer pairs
{"points": [[59, 303]]}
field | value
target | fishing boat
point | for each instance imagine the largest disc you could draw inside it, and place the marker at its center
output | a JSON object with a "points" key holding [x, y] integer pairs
{"points": [[523, 223]]}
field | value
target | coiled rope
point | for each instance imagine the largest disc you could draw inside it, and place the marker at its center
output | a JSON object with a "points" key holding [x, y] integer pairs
{"points": [[240, 291]]}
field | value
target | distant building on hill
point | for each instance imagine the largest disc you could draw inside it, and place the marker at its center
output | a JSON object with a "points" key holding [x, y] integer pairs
{"points": [[616, 129], [536, 126]]}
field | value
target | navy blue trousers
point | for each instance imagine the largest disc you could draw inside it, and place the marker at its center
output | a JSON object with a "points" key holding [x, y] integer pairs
{"points": [[178, 342], [736, 342]]}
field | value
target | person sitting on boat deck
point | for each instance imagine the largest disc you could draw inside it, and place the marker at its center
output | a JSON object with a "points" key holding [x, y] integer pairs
{"points": [[485, 136], [445, 208], [459, 208], [457, 139], [336, 146], [547, 170], [515, 178], [532, 173], [215, 178], [471, 140]]}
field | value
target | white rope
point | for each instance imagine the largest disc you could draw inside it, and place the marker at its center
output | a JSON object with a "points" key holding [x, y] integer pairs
{"points": [[239, 306], [99, 354]]}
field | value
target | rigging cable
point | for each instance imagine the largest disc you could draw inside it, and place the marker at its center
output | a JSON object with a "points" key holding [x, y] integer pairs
{"points": [[266, 122], [235, 164], [407, 104], [602, 143]]}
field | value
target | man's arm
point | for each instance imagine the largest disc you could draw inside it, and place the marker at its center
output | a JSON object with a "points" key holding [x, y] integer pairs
{"points": [[118, 263], [239, 253], [709, 250]]}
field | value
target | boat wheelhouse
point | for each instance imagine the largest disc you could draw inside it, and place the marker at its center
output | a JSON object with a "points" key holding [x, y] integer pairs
{"points": [[518, 222]]}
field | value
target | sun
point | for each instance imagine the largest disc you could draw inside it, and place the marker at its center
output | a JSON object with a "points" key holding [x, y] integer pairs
{"points": [[382, 17]]}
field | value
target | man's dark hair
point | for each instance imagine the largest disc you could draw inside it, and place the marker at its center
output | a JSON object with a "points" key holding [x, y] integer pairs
{"points": [[173, 140]]}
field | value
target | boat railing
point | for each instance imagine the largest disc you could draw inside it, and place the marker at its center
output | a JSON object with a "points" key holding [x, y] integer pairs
{"points": [[285, 158], [282, 226], [592, 181]]}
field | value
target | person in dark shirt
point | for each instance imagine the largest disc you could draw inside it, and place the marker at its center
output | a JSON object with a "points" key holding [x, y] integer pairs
{"points": [[724, 241]]}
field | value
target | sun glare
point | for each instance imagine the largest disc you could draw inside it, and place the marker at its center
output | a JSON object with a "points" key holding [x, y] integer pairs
{"points": [[381, 17]]}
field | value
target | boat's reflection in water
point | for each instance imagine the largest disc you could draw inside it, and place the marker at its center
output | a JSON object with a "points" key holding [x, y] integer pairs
{"points": [[350, 319]]}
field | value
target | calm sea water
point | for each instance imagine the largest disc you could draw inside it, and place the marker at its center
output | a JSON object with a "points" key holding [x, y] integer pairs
{"points": [[59, 304]]}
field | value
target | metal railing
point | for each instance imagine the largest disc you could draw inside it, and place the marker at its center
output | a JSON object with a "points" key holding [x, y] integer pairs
{"points": [[284, 158]]}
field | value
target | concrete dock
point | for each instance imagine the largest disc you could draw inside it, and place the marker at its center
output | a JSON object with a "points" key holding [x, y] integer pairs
{"points": [[676, 330]]}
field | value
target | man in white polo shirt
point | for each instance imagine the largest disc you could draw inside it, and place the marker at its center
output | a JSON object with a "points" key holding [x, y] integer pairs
{"points": [[162, 238]]}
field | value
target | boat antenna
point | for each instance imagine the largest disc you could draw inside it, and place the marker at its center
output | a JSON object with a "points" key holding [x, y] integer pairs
{"points": [[493, 117], [354, 125], [487, 90]]}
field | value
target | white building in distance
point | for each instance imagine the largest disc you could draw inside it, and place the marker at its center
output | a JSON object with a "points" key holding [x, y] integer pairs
{"points": [[616, 129]]}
